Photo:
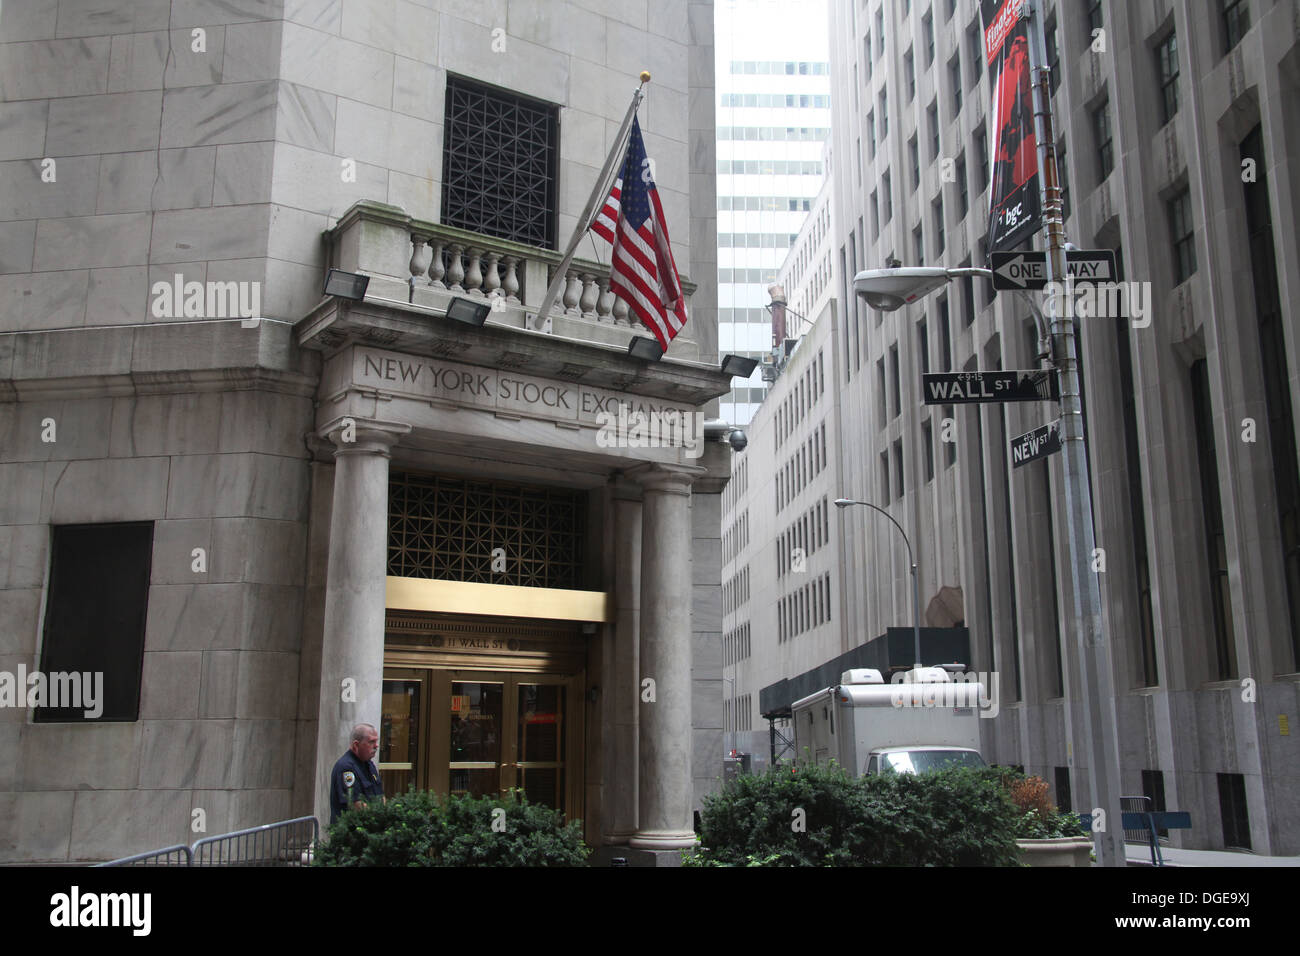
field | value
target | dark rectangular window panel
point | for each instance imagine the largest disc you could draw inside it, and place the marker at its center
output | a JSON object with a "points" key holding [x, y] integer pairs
{"points": [[914, 157], [1058, 689], [1236, 21], [1275, 375], [499, 164], [927, 30], [898, 467], [975, 40], [963, 194], [1105, 150], [1053, 54], [1094, 19], [1212, 516], [1062, 779], [945, 340], [927, 437], [1232, 811], [982, 149], [909, 74], [1063, 177], [1183, 236], [932, 115], [884, 476], [954, 80], [95, 617], [894, 372], [1167, 66], [937, 207], [918, 244], [1137, 509], [1153, 788], [923, 345]]}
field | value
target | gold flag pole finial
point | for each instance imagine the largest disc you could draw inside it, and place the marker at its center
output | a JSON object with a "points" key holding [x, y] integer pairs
{"points": [[645, 76]]}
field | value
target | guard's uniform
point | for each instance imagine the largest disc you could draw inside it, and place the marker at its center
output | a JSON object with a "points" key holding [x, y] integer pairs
{"points": [[350, 781]]}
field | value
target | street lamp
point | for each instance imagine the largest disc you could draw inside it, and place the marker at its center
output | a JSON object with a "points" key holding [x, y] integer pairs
{"points": [[916, 593]]}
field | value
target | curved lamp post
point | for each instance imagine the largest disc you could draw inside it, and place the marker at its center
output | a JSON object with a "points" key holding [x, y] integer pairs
{"points": [[916, 594]]}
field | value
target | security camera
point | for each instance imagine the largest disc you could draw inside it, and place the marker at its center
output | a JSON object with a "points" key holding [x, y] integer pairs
{"points": [[737, 439]]}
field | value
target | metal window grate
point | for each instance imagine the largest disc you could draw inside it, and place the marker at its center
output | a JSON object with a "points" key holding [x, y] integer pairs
{"points": [[499, 164], [448, 528]]}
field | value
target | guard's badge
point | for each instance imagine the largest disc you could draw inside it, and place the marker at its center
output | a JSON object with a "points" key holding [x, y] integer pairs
{"points": [[349, 778]]}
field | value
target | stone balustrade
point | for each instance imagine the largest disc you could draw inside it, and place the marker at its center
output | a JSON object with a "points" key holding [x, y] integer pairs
{"points": [[427, 263]]}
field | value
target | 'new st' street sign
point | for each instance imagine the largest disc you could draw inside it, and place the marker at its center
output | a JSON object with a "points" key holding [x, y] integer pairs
{"points": [[1028, 270], [1036, 444], [966, 388]]}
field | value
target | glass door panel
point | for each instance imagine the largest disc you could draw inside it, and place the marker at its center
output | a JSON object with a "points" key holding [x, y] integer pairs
{"points": [[540, 743], [477, 709], [399, 735]]}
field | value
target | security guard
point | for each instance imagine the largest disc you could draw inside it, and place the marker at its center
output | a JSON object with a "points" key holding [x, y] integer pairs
{"points": [[355, 779]]}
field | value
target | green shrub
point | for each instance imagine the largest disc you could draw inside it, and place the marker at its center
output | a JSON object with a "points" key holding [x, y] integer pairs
{"points": [[423, 829], [956, 817]]}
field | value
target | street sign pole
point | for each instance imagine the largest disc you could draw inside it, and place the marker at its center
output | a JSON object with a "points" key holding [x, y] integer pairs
{"points": [[1097, 741]]}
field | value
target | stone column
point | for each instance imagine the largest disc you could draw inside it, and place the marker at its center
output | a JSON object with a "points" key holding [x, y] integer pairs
{"points": [[352, 646], [622, 700], [664, 707]]}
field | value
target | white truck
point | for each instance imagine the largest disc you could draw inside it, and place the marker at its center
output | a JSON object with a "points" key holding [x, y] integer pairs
{"points": [[867, 726]]}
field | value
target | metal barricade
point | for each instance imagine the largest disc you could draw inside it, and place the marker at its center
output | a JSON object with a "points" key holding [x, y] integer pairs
{"points": [[1136, 805], [178, 855], [288, 843]]}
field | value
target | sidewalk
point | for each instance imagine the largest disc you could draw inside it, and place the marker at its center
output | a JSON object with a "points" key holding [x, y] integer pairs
{"points": [[1139, 854]]}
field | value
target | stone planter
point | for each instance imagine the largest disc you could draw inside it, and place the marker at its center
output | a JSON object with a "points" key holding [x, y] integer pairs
{"points": [[1057, 851]]}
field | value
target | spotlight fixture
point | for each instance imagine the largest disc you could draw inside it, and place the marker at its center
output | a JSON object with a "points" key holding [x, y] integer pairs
{"points": [[468, 311], [738, 365], [645, 348], [346, 285]]}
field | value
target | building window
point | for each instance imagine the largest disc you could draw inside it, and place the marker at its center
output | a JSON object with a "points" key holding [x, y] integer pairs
{"points": [[884, 476], [1101, 130], [1094, 19], [932, 114], [909, 73], [927, 438], [1182, 236], [914, 157], [982, 151], [1063, 179], [1275, 375], [937, 208], [923, 345], [94, 622], [945, 341], [875, 215], [1236, 21], [898, 468], [888, 196], [1212, 515], [918, 245], [927, 31], [884, 113], [1062, 776], [963, 195], [1232, 811], [880, 32], [1053, 53], [499, 164], [871, 134], [894, 374], [880, 392], [954, 80], [1167, 65], [975, 42]]}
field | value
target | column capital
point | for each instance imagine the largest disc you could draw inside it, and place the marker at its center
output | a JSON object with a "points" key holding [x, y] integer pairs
{"points": [[670, 479], [363, 436]]}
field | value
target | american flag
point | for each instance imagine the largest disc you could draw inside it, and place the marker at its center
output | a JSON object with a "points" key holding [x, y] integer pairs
{"points": [[642, 270]]}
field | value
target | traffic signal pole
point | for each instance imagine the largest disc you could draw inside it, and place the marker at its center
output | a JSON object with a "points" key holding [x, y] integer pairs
{"points": [[1096, 736]]}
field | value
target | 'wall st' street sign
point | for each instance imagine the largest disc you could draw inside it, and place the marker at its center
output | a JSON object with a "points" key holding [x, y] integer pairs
{"points": [[1028, 270], [1039, 443], [967, 388]]}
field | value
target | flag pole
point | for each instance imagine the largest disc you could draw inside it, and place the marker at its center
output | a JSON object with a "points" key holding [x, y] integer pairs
{"points": [[604, 182]]}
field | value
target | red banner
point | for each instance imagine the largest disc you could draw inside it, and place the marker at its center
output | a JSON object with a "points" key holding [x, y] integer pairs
{"points": [[1014, 206]]}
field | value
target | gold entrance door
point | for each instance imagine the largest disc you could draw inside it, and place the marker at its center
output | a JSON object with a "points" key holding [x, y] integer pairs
{"points": [[484, 733]]}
